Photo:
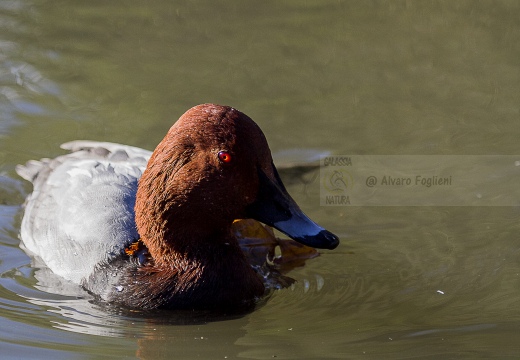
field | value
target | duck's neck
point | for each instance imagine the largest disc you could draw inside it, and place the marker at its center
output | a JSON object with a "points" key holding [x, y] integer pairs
{"points": [[196, 260], [176, 246], [203, 272]]}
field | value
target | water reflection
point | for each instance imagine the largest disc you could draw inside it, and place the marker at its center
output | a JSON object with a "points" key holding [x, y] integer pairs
{"points": [[141, 334], [20, 81]]}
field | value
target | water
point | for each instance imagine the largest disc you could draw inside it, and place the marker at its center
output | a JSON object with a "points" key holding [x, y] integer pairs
{"points": [[348, 77]]}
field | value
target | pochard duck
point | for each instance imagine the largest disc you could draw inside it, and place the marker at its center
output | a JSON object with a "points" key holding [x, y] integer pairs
{"points": [[153, 230]]}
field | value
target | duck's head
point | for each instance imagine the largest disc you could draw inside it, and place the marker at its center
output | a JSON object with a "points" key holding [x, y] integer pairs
{"points": [[214, 166]]}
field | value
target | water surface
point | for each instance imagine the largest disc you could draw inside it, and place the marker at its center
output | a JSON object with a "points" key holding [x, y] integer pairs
{"points": [[349, 77]]}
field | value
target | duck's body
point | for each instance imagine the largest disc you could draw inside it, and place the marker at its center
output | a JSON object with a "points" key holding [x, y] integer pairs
{"points": [[213, 166], [81, 212]]}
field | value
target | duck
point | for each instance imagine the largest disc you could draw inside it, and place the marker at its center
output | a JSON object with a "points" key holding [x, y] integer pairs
{"points": [[145, 230]]}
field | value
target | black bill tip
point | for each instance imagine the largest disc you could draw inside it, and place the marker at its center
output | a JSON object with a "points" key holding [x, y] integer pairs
{"points": [[330, 240], [322, 240]]}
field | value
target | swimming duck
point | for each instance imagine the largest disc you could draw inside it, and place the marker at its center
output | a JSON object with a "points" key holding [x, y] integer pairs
{"points": [[153, 230]]}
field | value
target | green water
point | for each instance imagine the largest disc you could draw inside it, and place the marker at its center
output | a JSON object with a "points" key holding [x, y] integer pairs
{"points": [[349, 77]]}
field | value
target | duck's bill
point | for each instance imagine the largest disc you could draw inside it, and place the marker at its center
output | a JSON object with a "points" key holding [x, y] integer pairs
{"points": [[275, 207]]}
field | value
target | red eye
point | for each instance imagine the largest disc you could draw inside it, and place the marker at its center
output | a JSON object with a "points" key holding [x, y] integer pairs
{"points": [[225, 157]]}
